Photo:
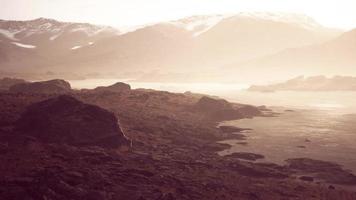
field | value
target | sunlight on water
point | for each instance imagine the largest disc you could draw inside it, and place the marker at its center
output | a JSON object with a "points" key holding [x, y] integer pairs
{"points": [[318, 134], [340, 100], [328, 105], [209, 88], [93, 83]]}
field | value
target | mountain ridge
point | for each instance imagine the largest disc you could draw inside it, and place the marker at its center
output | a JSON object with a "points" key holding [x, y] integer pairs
{"points": [[189, 45]]}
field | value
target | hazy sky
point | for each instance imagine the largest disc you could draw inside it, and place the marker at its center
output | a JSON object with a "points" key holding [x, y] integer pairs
{"points": [[334, 13]]}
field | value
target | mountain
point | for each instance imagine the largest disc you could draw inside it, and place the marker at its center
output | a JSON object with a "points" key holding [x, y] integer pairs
{"points": [[193, 44], [328, 58], [39, 42]]}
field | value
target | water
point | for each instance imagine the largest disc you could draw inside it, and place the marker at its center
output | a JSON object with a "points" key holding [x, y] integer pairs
{"points": [[323, 123], [327, 135], [236, 93]]}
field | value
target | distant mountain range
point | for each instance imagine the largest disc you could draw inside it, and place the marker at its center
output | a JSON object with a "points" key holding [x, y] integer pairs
{"points": [[313, 83], [336, 56], [213, 45]]}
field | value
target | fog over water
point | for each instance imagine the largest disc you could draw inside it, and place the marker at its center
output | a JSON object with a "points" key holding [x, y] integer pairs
{"points": [[341, 101]]}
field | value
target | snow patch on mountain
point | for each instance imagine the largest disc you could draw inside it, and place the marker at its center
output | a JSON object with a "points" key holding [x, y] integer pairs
{"points": [[292, 18], [55, 36], [199, 24], [27, 46], [91, 30], [76, 47], [9, 34], [49, 26]]}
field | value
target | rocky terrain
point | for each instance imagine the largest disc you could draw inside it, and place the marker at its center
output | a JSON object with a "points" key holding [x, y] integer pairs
{"points": [[173, 154], [65, 120]]}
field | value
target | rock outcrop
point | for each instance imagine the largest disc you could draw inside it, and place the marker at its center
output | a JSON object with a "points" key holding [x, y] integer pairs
{"points": [[117, 87], [245, 156], [220, 109], [67, 120], [208, 103], [55, 86], [6, 83]]}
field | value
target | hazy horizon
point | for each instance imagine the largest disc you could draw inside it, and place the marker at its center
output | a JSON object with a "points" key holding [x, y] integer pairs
{"points": [[123, 14]]}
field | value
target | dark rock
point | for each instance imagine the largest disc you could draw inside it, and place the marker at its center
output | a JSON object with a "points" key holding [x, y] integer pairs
{"points": [[306, 178], [231, 129], [301, 147], [236, 136], [331, 187], [117, 87], [328, 171], [242, 143], [66, 120], [245, 156], [255, 170], [56, 86], [310, 165], [212, 104], [220, 109]]}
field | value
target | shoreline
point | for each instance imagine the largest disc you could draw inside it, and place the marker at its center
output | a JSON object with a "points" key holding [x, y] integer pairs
{"points": [[171, 144], [245, 155]]}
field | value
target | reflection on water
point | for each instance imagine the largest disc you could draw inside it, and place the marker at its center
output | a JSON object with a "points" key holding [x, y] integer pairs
{"points": [[318, 134]]}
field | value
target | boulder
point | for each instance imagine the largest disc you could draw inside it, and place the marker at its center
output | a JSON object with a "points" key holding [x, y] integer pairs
{"points": [[207, 103], [245, 156], [117, 87], [220, 109], [66, 120], [56, 86]]}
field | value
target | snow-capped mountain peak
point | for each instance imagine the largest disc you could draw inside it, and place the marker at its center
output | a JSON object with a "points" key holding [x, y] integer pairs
{"points": [[202, 23], [17, 30], [199, 24], [292, 18]]}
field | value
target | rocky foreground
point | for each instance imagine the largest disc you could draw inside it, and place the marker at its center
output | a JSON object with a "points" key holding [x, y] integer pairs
{"points": [[164, 147]]}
